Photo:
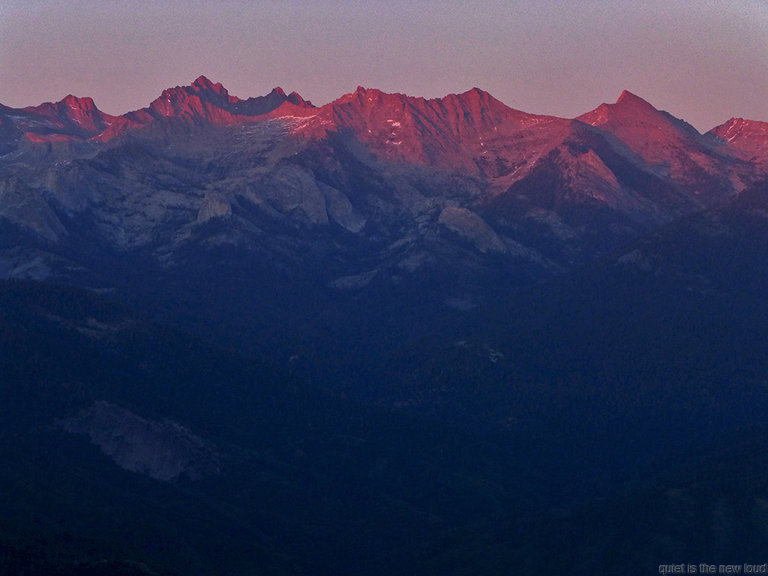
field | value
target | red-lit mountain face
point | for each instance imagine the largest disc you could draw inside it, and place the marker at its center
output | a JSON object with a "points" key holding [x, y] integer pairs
{"points": [[206, 103], [466, 132], [749, 137], [670, 147], [71, 119], [78, 120], [627, 158]]}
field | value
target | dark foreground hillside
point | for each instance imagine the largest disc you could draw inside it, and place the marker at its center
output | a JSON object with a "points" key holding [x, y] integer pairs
{"points": [[287, 480]]}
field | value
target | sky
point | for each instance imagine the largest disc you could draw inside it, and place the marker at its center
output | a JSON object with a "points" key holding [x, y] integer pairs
{"points": [[702, 60]]}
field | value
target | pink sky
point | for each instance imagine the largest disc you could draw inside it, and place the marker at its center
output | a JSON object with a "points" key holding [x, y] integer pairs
{"points": [[701, 60]]}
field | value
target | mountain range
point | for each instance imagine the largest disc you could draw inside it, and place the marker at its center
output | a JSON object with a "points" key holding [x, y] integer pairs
{"points": [[385, 334], [468, 165]]}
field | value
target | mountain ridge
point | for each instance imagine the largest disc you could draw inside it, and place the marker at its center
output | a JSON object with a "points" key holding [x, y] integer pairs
{"points": [[208, 101]]}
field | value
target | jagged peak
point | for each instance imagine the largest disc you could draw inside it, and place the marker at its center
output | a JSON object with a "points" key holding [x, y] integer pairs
{"points": [[278, 94], [79, 113], [626, 102], [475, 95], [200, 85], [85, 104], [486, 105], [627, 107], [363, 91], [730, 124], [363, 95], [203, 83], [741, 128], [72, 99], [475, 91], [739, 121], [628, 98], [473, 107], [296, 98]]}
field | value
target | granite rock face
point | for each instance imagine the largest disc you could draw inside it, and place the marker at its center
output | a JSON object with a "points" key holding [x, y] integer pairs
{"points": [[163, 450]]}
